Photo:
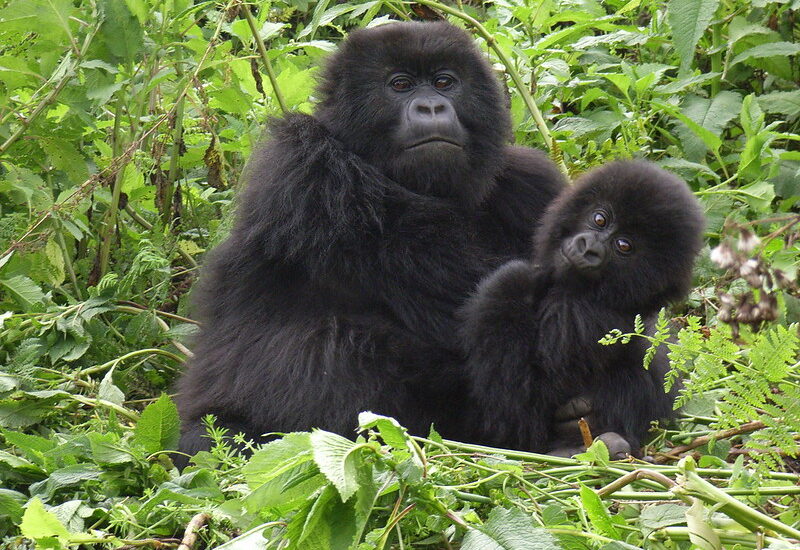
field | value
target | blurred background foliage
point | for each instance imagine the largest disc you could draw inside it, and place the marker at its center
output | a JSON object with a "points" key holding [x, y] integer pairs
{"points": [[125, 126]]}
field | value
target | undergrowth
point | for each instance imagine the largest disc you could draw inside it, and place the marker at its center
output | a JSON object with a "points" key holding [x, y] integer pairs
{"points": [[124, 129]]}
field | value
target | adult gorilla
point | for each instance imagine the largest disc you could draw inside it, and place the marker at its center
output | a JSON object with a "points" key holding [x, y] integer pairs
{"points": [[362, 229]]}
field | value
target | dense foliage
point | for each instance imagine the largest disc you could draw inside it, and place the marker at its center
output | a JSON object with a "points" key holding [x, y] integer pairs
{"points": [[124, 129]]}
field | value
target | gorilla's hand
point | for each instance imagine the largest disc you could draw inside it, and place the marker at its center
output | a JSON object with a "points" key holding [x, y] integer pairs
{"points": [[566, 417], [618, 447]]}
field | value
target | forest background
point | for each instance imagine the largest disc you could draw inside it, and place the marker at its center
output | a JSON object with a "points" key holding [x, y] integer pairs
{"points": [[124, 129]]}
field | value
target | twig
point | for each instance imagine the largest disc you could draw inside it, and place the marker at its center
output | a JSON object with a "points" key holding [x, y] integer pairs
{"points": [[702, 440], [190, 535], [68, 75], [635, 475], [586, 433]]}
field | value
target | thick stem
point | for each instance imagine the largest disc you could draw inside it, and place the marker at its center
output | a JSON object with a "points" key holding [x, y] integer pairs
{"points": [[262, 50], [111, 216], [175, 155]]}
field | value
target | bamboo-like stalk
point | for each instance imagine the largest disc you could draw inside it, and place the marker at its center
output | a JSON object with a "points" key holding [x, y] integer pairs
{"points": [[262, 50]]}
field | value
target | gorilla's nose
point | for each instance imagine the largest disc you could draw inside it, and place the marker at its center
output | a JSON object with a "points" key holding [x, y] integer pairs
{"points": [[427, 109], [589, 250]]}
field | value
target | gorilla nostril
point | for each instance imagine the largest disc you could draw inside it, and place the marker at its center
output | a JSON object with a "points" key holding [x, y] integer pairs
{"points": [[439, 109]]}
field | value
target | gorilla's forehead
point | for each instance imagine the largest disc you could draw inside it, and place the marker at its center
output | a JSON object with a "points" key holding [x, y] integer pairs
{"points": [[419, 48]]}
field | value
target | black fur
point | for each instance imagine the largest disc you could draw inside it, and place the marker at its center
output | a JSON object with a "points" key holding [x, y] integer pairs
{"points": [[337, 289], [532, 329]]}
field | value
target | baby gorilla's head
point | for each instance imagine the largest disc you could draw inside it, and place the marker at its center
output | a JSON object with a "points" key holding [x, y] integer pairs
{"points": [[626, 234]]}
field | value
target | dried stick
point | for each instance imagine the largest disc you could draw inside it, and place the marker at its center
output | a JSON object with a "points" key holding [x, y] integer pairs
{"points": [[703, 439], [190, 535]]}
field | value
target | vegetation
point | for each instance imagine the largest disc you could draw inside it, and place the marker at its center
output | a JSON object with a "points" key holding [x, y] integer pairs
{"points": [[124, 128]]}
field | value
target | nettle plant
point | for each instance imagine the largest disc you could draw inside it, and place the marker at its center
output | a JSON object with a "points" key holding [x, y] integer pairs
{"points": [[740, 370]]}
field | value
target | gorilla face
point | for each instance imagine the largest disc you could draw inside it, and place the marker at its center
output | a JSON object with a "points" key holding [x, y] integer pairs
{"points": [[419, 102], [624, 235]]}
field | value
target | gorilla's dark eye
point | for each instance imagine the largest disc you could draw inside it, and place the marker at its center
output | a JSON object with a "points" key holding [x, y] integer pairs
{"points": [[599, 219], [442, 82], [624, 246], [401, 84]]}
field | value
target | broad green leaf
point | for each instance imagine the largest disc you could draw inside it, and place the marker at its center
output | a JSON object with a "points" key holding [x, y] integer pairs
{"points": [[277, 457], [11, 504], [108, 391], [65, 157], [711, 114], [509, 530], [48, 17], [688, 20], [390, 429], [159, 426], [251, 540], [26, 293], [784, 103], [771, 49], [38, 523], [336, 459], [701, 533], [597, 513], [120, 32], [140, 9]]}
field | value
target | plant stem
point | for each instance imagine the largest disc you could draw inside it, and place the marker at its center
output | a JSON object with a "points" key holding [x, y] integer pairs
{"points": [[109, 228], [262, 50], [174, 156]]}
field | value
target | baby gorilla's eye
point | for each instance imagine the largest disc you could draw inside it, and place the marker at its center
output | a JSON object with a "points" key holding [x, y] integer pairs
{"points": [[401, 84], [624, 246], [599, 219], [443, 82]]}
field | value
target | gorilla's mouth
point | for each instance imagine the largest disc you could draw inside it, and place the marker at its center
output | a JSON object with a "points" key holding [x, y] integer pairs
{"points": [[435, 140]]}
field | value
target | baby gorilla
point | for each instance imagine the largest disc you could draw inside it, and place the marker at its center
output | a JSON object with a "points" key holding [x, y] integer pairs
{"points": [[620, 242]]}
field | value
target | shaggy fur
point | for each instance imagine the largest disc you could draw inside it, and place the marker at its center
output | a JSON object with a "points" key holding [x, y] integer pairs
{"points": [[337, 289], [532, 329]]}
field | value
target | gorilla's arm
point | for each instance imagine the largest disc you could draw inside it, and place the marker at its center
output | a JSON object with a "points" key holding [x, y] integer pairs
{"points": [[316, 206], [499, 333]]}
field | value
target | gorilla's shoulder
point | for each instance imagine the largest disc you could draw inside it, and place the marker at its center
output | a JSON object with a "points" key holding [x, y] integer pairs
{"points": [[526, 185], [530, 170], [297, 129]]}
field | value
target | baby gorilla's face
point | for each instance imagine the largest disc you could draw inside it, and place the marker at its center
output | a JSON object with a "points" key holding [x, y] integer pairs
{"points": [[624, 235], [598, 245]]}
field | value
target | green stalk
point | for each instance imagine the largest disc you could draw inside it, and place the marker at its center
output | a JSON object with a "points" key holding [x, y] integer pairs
{"points": [[109, 228], [262, 50], [530, 103], [716, 57], [175, 153], [733, 508], [68, 263]]}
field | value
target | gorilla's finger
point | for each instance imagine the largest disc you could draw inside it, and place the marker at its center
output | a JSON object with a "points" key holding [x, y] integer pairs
{"points": [[574, 409], [618, 446]]}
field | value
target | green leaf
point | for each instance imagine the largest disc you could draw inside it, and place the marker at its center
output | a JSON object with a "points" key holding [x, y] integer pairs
{"points": [[509, 530], [688, 20], [597, 513], [784, 103], [251, 540], [712, 115], [336, 460], [108, 391], [11, 504], [277, 457], [158, 428], [38, 523], [391, 431], [120, 32], [701, 533], [771, 49], [26, 293]]}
